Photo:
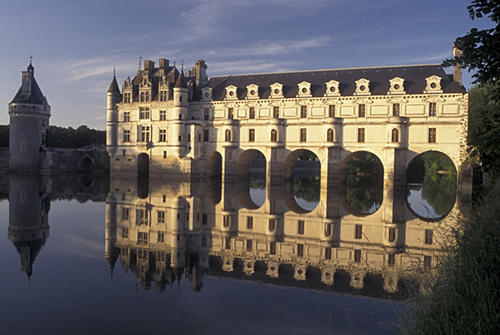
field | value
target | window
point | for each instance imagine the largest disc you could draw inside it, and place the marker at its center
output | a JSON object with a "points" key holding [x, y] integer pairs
{"points": [[144, 97], [161, 216], [249, 245], [395, 136], [432, 109], [163, 115], [272, 225], [142, 218], [357, 255], [125, 213], [180, 116], [427, 262], [163, 95], [164, 154], [230, 113], [303, 111], [226, 221], [391, 259], [125, 233], [142, 238], [249, 222], [161, 237], [203, 240], [126, 135], [251, 135], [303, 135], [251, 113], [329, 135], [300, 250], [328, 253], [162, 135], [145, 132], [276, 112], [204, 219], [206, 135], [395, 109], [126, 116], [428, 236], [228, 135], [432, 135], [228, 243], [300, 227], [328, 229], [361, 110], [359, 232], [206, 114], [392, 234], [144, 113], [361, 135], [272, 248], [127, 97], [331, 110], [274, 135]]}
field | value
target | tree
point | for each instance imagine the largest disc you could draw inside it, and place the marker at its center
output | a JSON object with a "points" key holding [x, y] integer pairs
{"points": [[480, 53]]}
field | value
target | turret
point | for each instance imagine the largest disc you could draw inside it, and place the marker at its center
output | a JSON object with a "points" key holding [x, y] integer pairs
{"points": [[114, 96], [179, 115], [29, 120], [457, 69]]}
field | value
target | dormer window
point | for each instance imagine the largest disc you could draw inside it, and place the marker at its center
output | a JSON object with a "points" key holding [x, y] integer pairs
{"points": [[276, 90], [396, 86], [362, 87], [206, 93], [332, 88], [252, 91], [231, 92], [433, 85], [304, 89]]}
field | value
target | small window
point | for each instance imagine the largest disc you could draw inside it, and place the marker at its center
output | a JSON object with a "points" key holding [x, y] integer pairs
{"points": [[300, 227], [163, 95], [249, 245], [274, 135], [272, 248], [428, 236], [230, 113], [206, 135], [228, 135], [432, 135], [361, 135], [276, 112], [142, 238], [303, 135], [164, 154], [303, 111], [251, 113], [328, 229], [228, 243], [206, 113], [163, 115], [331, 110], [427, 262], [328, 253], [161, 237], [161, 216], [300, 250], [126, 116], [432, 109], [251, 135], [126, 136], [359, 232], [125, 213], [272, 225], [145, 132], [395, 136], [391, 259], [226, 221], [392, 235], [125, 233], [395, 109], [144, 113], [357, 255], [162, 135], [329, 135], [204, 219], [361, 110], [249, 222]]}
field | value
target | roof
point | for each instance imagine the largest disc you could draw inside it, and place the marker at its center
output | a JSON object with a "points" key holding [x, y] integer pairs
{"points": [[36, 96], [113, 87], [379, 77], [180, 83]]}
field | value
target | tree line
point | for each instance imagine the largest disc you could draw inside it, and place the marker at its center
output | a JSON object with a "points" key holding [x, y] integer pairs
{"points": [[60, 137]]}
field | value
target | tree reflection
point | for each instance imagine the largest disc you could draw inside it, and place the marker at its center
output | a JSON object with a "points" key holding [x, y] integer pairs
{"points": [[307, 189], [364, 183]]}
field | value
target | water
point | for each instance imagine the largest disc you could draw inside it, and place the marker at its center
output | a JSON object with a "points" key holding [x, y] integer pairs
{"points": [[82, 257]]}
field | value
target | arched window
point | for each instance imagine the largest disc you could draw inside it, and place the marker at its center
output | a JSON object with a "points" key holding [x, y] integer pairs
{"points": [[274, 135], [395, 136], [329, 135], [228, 135]]}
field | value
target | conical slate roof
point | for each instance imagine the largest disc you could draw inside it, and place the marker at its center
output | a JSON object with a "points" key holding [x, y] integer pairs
{"points": [[35, 97], [113, 87]]}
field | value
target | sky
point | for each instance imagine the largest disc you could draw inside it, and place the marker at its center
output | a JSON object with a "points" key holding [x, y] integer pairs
{"points": [[75, 45]]}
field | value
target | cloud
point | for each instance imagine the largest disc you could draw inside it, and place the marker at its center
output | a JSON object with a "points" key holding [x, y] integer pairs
{"points": [[8, 86], [251, 66]]}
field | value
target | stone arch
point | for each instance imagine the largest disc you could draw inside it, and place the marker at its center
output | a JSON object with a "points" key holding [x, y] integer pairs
{"points": [[251, 159], [86, 164], [361, 190], [215, 164], [291, 170], [143, 164], [431, 186]]}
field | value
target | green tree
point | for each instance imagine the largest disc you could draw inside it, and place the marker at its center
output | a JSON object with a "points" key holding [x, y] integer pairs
{"points": [[480, 53]]}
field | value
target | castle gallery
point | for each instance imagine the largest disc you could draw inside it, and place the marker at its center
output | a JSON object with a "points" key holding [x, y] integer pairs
{"points": [[165, 121]]}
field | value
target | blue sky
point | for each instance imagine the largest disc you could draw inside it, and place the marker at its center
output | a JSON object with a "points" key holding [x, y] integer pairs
{"points": [[76, 44]]}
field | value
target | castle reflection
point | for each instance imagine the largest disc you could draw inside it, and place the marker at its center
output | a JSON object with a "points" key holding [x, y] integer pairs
{"points": [[165, 231]]}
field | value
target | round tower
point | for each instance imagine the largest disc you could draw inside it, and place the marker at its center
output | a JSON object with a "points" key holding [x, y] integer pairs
{"points": [[179, 116], [29, 120], [114, 97]]}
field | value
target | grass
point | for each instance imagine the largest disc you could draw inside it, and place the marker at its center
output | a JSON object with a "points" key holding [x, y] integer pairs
{"points": [[464, 296]]}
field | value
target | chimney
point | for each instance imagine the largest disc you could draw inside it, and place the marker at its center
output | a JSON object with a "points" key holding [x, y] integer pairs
{"points": [[200, 73], [164, 63], [149, 65], [457, 69]]}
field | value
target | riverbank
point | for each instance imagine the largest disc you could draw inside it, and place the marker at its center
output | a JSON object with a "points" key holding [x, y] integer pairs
{"points": [[464, 298]]}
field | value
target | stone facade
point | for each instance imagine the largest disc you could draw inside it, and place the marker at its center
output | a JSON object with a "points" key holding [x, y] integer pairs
{"points": [[165, 122]]}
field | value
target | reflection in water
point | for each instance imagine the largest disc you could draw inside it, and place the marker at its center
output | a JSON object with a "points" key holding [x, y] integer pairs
{"points": [[306, 192], [432, 182], [364, 183], [177, 231]]}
